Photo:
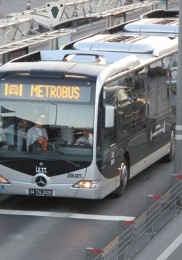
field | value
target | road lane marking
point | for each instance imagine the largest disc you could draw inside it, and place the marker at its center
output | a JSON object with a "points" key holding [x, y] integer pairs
{"points": [[64, 215], [170, 249]]}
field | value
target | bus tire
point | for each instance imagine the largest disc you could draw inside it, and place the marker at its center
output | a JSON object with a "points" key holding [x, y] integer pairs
{"points": [[123, 179], [170, 156]]}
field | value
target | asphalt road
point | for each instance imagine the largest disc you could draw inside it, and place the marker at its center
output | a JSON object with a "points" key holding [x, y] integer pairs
{"points": [[61, 229]]}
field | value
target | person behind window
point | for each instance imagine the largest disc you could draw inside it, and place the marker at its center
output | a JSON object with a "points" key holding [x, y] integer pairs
{"points": [[86, 138], [15, 135], [37, 137]]}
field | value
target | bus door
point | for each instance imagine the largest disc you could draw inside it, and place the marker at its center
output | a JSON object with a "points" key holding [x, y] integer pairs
{"points": [[111, 154], [135, 129]]}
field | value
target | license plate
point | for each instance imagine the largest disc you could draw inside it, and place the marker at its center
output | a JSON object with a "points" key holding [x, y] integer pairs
{"points": [[39, 192]]}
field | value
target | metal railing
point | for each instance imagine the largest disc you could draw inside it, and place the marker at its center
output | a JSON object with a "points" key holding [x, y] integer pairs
{"points": [[57, 15], [134, 235]]}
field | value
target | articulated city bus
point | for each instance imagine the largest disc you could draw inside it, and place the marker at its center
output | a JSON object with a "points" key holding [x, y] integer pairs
{"points": [[120, 99], [156, 22]]}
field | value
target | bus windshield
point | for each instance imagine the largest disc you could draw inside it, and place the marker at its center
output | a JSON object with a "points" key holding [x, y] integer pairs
{"points": [[54, 127]]}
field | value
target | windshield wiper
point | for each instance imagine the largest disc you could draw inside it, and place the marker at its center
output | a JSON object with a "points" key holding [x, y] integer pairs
{"points": [[50, 154]]}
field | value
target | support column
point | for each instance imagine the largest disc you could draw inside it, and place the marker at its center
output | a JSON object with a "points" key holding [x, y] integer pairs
{"points": [[153, 213], [126, 238], [28, 4]]}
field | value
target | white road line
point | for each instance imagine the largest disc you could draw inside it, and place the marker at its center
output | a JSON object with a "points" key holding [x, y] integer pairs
{"points": [[64, 215], [171, 248]]}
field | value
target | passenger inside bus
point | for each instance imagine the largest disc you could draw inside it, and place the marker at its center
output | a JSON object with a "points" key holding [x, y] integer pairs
{"points": [[15, 134], [37, 137]]}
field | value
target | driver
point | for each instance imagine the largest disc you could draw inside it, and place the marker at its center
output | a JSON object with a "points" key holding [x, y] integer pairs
{"points": [[86, 138]]}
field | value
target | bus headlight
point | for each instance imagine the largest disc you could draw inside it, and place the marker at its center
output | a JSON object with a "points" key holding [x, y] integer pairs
{"points": [[87, 184], [3, 180]]}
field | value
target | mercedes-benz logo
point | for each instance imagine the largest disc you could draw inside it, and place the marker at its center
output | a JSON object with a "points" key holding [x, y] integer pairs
{"points": [[41, 181]]}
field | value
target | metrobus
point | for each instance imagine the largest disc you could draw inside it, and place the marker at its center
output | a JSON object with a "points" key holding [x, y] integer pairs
{"points": [[121, 98], [156, 22]]}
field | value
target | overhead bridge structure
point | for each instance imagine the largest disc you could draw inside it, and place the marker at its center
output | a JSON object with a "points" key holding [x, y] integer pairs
{"points": [[54, 14], [18, 29]]}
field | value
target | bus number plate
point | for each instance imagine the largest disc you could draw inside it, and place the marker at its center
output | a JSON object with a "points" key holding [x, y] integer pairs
{"points": [[38, 192]]}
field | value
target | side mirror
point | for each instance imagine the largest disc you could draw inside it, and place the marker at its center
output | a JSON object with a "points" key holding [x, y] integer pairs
{"points": [[109, 117]]}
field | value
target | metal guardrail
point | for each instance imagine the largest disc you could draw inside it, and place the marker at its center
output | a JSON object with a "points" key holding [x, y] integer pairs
{"points": [[55, 39], [134, 235]]}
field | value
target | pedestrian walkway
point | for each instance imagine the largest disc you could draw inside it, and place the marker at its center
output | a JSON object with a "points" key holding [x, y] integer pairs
{"points": [[167, 244]]}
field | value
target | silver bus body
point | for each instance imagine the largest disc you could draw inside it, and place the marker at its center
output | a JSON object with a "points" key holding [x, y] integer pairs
{"points": [[121, 96]]}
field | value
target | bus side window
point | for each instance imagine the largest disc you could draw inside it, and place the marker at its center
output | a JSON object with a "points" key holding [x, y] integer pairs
{"points": [[14, 133], [125, 112], [141, 102], [159, 101], [8, 132], [164, 101], [109, 98], [152, 91], [108, 138], [171, 78], [1, 129]]}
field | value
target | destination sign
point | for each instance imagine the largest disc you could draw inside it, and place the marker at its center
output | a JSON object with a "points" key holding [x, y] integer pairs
{"points": [[45, 92]]}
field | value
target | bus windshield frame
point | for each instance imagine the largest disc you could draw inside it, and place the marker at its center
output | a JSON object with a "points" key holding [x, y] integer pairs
{"points": [[65, 106]]}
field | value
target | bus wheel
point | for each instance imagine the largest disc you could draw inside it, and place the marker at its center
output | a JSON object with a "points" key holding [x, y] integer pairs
{"points": [[123, 179], [170, 156]]}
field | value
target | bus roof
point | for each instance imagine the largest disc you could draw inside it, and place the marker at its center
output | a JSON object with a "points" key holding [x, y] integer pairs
{"points": [[51, 69], [154, 25], [127, 43], [161, 13], [111, 53], [62, 64], [155, 22]]}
